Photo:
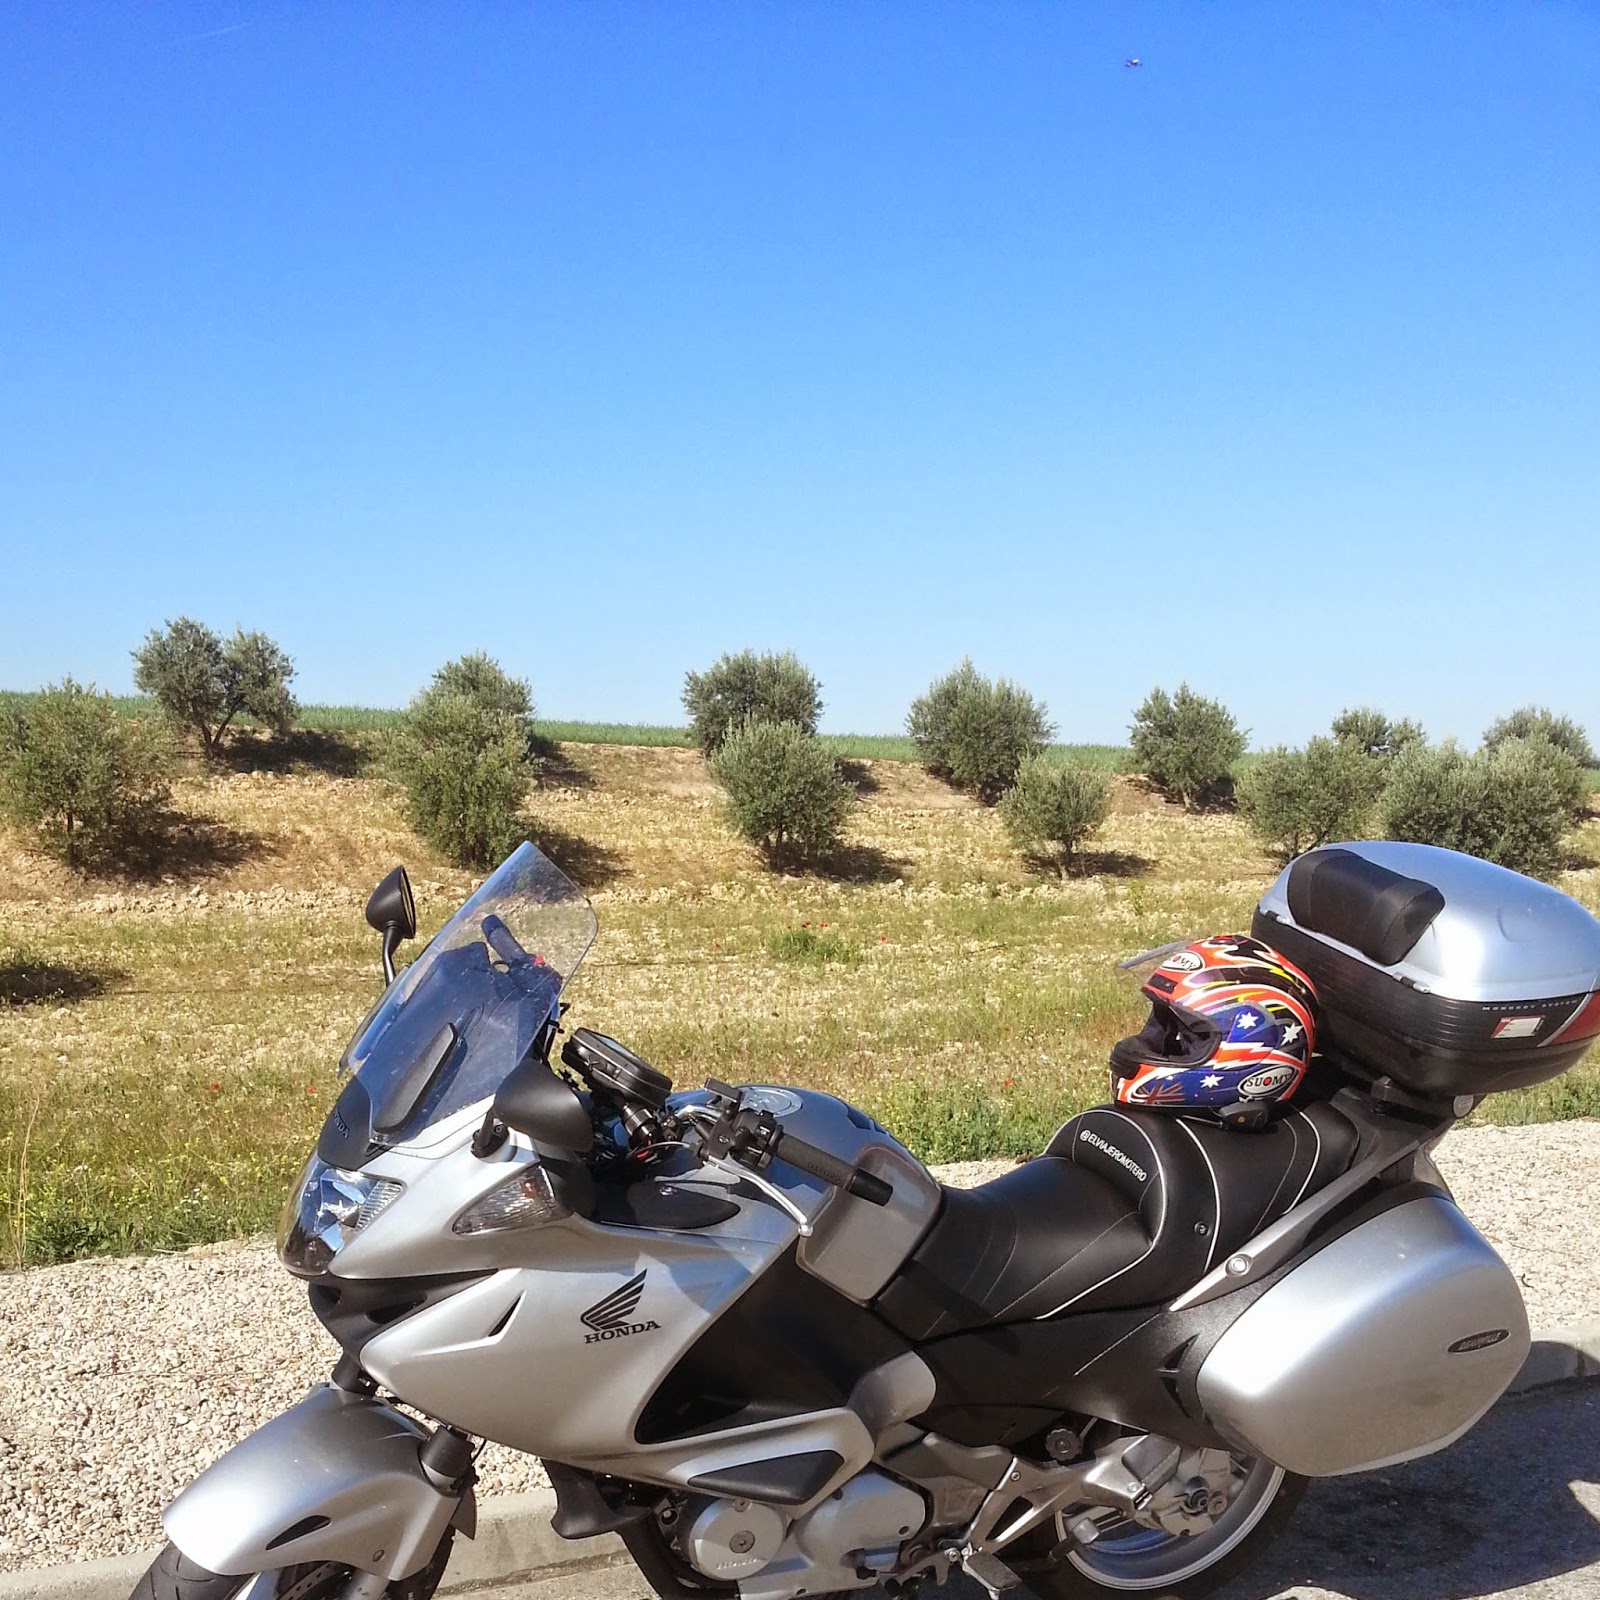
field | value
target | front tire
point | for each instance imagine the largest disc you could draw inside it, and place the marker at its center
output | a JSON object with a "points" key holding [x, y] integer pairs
{"points": [[1130, 1559], [173, 1576]]}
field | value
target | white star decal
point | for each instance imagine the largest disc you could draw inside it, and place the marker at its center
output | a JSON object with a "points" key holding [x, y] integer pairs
{"points": [[1291, 1033], [1210, 1081]]}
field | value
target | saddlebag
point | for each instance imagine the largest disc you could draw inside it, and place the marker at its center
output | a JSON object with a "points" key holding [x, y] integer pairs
{"points": [[1388, 1343], [1448, 974]]}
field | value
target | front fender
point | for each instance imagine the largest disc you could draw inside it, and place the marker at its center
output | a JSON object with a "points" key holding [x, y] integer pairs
{"points": [[336, 1478]]}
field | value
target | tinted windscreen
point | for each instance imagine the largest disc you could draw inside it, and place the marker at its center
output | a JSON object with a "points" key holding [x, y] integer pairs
{"points": [[461, 1016]]}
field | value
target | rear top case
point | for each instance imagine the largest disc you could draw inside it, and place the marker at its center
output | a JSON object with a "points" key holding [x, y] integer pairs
{"points": [[1450, 975]]}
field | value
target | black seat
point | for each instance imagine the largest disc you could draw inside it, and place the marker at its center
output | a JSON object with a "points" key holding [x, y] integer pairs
{"points": [[1125, 1208]]}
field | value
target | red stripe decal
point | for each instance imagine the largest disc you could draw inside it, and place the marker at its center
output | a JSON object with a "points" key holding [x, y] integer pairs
{"points": [[1584, 1023]]}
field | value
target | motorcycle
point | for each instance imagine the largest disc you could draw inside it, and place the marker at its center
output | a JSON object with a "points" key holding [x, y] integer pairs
{"points": [[746, 1330]]}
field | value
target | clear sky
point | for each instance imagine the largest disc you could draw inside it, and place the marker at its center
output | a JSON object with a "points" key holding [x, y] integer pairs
{"points": [[608, 337]]}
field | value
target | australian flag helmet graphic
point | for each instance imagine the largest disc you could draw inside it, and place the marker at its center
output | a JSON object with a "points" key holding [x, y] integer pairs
{"points": [[1231, 1021]]}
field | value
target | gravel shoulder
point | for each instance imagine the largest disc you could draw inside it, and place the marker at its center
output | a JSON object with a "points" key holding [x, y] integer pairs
{"points": [[121, 1379]]}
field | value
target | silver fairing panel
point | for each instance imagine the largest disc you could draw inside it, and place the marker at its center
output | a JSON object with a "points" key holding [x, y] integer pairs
{"points": [[1387, 1344], [511, 1358]]}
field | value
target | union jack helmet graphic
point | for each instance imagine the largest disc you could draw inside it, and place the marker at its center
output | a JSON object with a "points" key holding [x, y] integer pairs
{"points": [[1232, 1024]]}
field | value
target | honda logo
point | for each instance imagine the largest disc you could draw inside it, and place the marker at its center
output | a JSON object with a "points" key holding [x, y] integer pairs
{"points": [[612, 1317]]}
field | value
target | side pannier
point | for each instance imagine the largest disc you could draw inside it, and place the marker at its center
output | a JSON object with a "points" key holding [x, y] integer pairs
{"points": [[1448, 974]]}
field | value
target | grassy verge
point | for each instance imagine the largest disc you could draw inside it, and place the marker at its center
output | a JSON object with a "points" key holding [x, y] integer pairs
{"points": [[168, 1048]]}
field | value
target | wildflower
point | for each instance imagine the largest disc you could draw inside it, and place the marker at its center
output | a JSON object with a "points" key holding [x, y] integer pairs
{"points": [[311, 1088]]}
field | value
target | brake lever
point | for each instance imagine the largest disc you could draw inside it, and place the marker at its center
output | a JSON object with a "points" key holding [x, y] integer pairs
{"points": [[738, 1169]]}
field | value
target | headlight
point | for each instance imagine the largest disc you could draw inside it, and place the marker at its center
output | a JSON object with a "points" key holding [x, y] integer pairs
{"points": [[526, 1201], [326, 1209]]}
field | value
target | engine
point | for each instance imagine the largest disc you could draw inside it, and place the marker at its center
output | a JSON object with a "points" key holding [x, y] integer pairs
{"points": [[846, 1542]]}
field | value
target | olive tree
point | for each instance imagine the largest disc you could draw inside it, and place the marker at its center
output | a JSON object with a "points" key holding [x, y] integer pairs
{"points": [[976, 732], [462, 756], [1186, 744], [1373, 734], [1536, 722], [1512, 804], [1295, 800], [79, 780], [784, 791], [748, 687], [478, 677], [1054, 806], [203, 683]]}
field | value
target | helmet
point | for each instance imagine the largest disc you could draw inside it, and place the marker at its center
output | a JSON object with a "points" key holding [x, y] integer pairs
{"points": [[1232, 1026]]}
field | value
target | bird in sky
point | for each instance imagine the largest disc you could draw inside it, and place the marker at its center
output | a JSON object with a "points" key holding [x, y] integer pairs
{"points": [[1133, 61]]}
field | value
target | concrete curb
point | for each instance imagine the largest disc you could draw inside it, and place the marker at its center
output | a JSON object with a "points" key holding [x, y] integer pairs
{"points": [[515, 1539], [1569, 1355]]}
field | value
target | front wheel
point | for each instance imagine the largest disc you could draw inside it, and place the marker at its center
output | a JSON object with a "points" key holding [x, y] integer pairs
{"points": [[173, 1576], [1210, 1523]]}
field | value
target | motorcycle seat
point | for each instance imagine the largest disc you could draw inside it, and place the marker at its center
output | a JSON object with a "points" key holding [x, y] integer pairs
{"points": [[1125, 1208]]}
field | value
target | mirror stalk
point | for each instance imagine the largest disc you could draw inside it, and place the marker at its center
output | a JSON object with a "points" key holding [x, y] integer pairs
{"points": [[392, 937], [491, 1134]]}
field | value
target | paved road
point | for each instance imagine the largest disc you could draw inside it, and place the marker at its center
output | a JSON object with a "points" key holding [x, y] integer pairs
{"points": [[1514, 1509]]}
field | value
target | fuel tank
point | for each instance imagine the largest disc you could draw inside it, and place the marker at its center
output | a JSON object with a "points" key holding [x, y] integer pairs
{"points": [[1387, 1344]]}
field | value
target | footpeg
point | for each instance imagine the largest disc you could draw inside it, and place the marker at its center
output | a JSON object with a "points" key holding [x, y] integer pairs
{"points": [[1084, 1529], [989, 1570]]}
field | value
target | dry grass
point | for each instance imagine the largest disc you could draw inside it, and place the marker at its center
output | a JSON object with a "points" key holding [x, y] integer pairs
{"points": [[167, 1046]]}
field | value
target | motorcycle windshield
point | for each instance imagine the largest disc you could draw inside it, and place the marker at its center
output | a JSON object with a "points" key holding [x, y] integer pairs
{"points": [[463, 1014]]}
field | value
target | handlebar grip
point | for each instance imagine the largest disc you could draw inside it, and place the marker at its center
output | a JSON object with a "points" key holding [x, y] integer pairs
{"points": [[823, 1164], [874, 1190]]}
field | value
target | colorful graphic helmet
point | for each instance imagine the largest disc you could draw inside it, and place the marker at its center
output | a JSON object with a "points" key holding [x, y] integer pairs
{"points": [[1232, 1026]]}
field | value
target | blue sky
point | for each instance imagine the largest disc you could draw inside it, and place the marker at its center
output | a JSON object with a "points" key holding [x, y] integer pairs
{"points": [[608, 337]]}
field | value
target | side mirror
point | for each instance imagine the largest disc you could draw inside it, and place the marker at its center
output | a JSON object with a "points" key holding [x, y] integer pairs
{"points": [[533, 1101], [392, 911]]}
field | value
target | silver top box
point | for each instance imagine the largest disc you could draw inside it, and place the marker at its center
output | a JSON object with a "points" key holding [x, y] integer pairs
{"points": [[1498, 937]]}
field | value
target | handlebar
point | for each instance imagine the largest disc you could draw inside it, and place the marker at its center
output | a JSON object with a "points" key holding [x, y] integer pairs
{"points": [[741, 1133], [503, 942], [828, 1167]]}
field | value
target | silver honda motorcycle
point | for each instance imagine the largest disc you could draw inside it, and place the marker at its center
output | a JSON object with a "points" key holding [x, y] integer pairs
{"points": [[746, 1330]]}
